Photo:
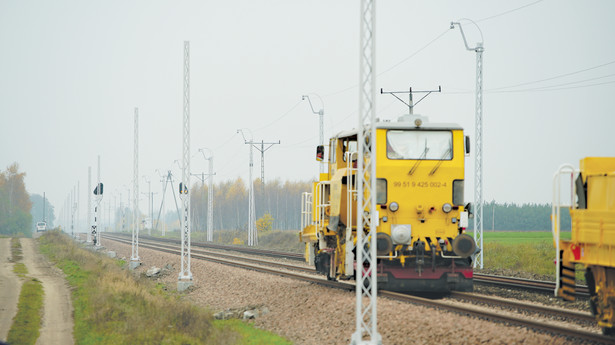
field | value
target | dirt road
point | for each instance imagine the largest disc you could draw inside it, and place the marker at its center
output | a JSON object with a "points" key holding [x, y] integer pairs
{"points": [[57, 325], [10, 286]]}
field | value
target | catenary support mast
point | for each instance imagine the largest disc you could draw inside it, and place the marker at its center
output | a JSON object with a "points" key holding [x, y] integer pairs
{"points": [[89, 236], [134, 258], [367, 215], [185, 276], [210, 194], [478, 163]]}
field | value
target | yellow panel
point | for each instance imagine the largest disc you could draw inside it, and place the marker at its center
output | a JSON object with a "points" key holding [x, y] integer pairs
{"points": [[596, 165], [593, 227], [601, 192]]}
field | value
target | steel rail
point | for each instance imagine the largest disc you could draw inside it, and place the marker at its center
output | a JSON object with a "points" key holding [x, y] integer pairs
{"points": [[170, 248], [272, 253], [465, 310], [528, 284], [500, 281], [491, 300]]}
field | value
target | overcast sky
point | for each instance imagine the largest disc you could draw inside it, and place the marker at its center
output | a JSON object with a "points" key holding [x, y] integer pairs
{"points": [[72, 72]]}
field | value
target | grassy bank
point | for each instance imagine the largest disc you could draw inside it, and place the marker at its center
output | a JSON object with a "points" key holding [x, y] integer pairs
{"points": [[113, 307]]}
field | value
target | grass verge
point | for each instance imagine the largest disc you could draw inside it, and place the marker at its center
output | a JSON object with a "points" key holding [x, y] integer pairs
{"points": [[27, 321], [113, 307], [249, 334]]}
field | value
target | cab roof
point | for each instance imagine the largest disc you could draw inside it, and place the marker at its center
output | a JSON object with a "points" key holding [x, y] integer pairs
{"points": [[406, 122]]}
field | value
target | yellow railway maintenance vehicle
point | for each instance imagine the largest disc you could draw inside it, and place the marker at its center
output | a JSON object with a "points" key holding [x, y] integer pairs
{"points": [[421, 243], [592, 243]]}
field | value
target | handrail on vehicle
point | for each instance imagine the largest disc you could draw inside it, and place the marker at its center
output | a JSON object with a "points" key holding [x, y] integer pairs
{"points": [[556, 205]]}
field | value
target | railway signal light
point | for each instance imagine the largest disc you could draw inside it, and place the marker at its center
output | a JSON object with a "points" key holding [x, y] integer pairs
{"points": [[182, 188], [99, 189]]}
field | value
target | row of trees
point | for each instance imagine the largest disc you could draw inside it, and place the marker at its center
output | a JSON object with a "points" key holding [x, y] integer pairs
{"points": [[15, 204], [281, 200], [524, 217]]}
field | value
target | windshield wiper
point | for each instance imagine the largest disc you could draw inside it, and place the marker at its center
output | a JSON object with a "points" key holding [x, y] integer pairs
{"points": [[416, 165], [433, 171]]}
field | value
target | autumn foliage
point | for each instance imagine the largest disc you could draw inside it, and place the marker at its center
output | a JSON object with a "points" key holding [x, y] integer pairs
{"points": [[15, 205], [281, 201]]}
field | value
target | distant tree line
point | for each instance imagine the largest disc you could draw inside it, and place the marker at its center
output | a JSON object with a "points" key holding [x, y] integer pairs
{"points": [[41, 208], [281, 200], [524, 217], [15, 204]]}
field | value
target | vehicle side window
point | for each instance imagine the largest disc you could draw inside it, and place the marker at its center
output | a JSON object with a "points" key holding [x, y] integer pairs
{"points": [[349, 146]]}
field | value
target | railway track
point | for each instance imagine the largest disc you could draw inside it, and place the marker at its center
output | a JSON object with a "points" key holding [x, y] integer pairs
{"points": [[493, 280], [307, 274]]}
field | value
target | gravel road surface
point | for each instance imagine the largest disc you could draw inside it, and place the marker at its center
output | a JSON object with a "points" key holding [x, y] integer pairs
{"points": [[57, 325], [10, 286]]}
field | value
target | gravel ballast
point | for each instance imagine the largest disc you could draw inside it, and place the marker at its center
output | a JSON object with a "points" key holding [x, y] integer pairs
{"points": [[309, 314]]}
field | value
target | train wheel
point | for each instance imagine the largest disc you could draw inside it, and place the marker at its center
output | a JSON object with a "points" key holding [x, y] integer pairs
{"points": [[591, 285], [610, 331]]}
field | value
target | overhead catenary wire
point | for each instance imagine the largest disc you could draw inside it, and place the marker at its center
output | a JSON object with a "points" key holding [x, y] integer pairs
{"points": [[432, 41], [279, 118], [555, 87], [509, 11], [554, 77]]}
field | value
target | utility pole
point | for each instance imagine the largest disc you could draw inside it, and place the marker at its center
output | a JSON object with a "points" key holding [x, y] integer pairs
{"points": [[77, 207], [210, 195], [185, 276], [262, 150], [134, 259], [149, 203], [478, 165], [252, 235], [367, 214], [201, 178], [165, 182], [73, 208], [321, 114], [44, 206]]}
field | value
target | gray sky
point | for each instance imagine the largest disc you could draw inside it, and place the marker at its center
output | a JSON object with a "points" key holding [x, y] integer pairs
{"points": [[71, 73]]}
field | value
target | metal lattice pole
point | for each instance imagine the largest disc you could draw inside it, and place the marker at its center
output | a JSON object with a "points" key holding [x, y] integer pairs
{"points": [[478, 162], [210, 195], [252, 235], [478, 177], [367, 215], [185, 276], [134, 259], [73, 208], [89, 235], [78, 208], [210, 201]]}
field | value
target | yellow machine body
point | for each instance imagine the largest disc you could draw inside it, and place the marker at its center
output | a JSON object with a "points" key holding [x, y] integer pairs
{"points": [[420, 203], [592, 241]]}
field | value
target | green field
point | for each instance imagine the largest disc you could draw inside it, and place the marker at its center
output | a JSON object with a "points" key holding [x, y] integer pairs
{"points": [[517, 237], [527, 253]]}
